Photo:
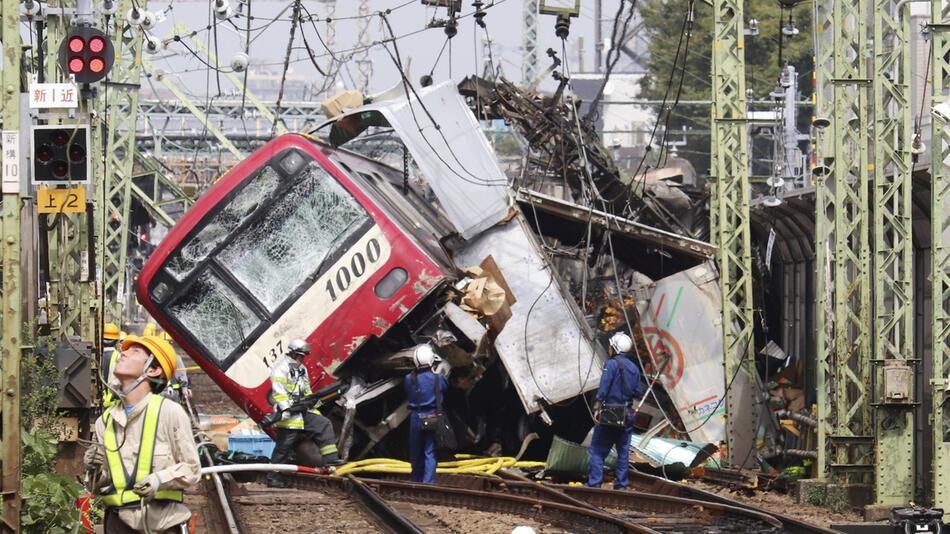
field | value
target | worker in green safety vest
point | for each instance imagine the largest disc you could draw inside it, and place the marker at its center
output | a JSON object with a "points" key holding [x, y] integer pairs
{"points": [[144, 454], [110, 353]]}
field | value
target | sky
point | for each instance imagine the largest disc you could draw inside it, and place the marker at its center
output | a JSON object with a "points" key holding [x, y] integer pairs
{"points": [[420, 48]]}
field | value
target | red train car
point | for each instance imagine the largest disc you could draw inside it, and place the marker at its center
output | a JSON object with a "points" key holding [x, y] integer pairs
{"points": [[299, 240]]}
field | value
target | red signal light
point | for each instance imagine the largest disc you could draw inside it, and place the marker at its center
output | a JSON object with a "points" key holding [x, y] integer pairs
{"points": [[75, 65], [76, 44], [96, 44], [86, 54], [60, 137], [44, 154], [60, 168], [76, 153]]}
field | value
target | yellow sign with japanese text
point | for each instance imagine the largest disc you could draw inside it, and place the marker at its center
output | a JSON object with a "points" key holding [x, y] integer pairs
{"points": [[71, 200]]}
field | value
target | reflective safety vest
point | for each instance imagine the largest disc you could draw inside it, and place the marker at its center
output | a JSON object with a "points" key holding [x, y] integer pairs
{"points": [[290, 383], [108, 398], [122, 482]]}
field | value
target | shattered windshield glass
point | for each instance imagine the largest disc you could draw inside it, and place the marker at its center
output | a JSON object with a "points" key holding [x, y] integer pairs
{"points": [[215, 315], [275, 256], [255, 192]]}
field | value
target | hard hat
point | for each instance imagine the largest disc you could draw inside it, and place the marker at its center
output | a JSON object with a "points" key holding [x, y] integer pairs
{"points": [[621, 342], [523, 530], [160, 349], [110, 331], [123, 334], [150, 329], [423, 356], [298, 348]]}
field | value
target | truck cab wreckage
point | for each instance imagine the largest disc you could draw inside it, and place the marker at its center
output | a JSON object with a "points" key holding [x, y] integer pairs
{"points": [[397, 226]]}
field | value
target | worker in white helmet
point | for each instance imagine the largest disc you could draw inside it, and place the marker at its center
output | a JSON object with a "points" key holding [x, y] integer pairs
{"points": [[619, 384], [425, 389]]}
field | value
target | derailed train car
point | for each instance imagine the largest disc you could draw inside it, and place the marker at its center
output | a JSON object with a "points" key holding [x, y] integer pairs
{"points": [[363, 260]]}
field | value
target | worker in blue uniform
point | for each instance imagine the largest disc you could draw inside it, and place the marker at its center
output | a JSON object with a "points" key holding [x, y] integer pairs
{"points": [[619, 384], [420, 386]]}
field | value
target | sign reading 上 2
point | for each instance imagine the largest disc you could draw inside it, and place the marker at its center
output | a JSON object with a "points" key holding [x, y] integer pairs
{"points": [[72, 200]]}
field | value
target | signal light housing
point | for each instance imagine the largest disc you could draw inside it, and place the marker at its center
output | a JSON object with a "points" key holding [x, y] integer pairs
{"points": [[60, 154], [87, 54]]}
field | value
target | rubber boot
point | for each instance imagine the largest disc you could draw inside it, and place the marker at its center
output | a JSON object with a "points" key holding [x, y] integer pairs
{"points": [[332, 459]]}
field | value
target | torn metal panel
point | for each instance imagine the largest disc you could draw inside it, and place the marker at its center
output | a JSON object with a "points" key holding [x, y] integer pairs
{"points": [[663, 452], [545, 346], [683, 330], [468, 325], [693, 248], [453, 154]]}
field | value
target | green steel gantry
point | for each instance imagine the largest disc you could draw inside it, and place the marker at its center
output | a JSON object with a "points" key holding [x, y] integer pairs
{"points": [[71, 296], [12, 323], [730, 205], [893, 274], [845, 433], [200, 115], [940, 250], [112, 214], [823, 98]]}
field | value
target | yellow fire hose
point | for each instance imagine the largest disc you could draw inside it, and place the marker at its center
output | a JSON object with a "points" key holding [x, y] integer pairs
{"points": [[464, 464]]}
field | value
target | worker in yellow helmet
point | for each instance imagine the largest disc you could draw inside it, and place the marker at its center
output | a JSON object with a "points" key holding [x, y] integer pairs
{"points": [[180, 387], [150, 330], [110, 338], [144, 454]]}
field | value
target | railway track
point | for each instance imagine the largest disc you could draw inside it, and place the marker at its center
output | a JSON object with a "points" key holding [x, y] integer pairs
{"points": [[391, 504], [652, 484], [566, 516], [657, 512]]}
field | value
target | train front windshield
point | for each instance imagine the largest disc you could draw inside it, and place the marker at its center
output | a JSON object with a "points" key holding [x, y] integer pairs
{"points": [[250, 258]]}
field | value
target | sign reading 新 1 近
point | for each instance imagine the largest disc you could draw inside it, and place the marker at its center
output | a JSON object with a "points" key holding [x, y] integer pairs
{"points": [[53, 95]]}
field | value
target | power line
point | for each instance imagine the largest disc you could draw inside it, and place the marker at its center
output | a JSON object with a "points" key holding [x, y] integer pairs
{"points": [[283, 76]]}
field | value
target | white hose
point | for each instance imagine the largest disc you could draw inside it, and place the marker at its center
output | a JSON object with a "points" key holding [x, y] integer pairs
{"points": [[237, 468]]}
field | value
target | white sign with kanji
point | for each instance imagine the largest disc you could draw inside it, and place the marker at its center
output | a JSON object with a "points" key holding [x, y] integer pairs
{"points": [[11, 161], [54, 95]]}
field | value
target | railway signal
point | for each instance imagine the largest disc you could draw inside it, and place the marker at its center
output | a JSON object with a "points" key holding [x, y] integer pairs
{"points": [[60, 154], [87, 54]]}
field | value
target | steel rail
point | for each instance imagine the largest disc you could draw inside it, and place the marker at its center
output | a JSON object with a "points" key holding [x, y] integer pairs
{"points": [[640, 502], [386, 516], [649, 495], [219, 500], [630, 501], [649, 483], [572, 518]]}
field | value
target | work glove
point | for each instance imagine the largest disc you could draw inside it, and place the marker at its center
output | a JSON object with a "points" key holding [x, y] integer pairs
{"points": [[270, 419], [146, 489], [94, 458]]}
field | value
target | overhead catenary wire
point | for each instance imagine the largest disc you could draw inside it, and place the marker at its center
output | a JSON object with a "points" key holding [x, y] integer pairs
{"points": [[685, 32], [283, 76], [409, 88], [613, 55]]}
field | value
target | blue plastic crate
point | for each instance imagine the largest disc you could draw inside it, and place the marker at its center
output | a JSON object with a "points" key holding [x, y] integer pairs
{"points": [[259, 444]]}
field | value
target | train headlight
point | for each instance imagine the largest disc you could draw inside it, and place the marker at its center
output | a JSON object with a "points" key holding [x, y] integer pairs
{"points": [[292, 163], [160, 292]]}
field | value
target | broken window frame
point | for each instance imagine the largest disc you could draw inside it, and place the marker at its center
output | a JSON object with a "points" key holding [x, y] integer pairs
{"points": [[210, 263]]}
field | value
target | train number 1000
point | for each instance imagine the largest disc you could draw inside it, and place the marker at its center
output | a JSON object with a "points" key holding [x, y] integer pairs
{"points": [[359, 265]]}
